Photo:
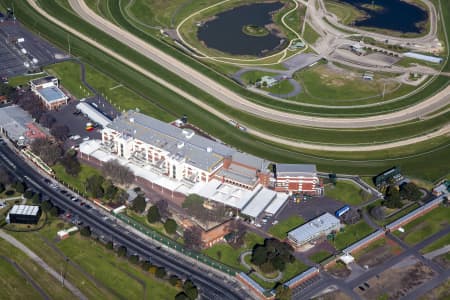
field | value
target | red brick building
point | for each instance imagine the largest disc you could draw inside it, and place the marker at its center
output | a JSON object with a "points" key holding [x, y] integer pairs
{"points": [[296, 178]]}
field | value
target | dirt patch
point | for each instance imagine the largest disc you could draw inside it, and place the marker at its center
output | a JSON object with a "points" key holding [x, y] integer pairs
{"points": [[397, 282], [339, 270], [379, 254]]}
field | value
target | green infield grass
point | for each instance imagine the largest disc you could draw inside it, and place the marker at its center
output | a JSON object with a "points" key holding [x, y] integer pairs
{"points": [[15, 285]]}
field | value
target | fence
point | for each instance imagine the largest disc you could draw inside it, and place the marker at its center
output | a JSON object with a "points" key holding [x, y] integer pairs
{"points": [[176, 246]]}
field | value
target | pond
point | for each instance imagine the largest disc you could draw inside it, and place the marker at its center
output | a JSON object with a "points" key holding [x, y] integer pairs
{"points": [[225, 31], [396, 15]]}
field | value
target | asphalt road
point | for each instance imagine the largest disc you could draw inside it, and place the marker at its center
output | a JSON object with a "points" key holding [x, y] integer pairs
{"points": [[227, 96], [211, 285]]}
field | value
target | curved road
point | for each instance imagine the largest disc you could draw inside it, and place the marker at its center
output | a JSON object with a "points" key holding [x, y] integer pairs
{"points": [[433, 103]]}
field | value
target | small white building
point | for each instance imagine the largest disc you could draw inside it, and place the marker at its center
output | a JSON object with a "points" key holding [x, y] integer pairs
{"points": [[267, 81], [314, 229]]}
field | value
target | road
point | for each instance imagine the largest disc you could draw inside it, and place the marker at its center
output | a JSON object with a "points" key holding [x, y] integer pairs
{"points": [[33, 256], [230, 98], [212, 285]]}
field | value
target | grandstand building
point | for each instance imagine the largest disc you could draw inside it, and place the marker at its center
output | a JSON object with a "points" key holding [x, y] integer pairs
{"points": [[47, 89], [296, 178]]}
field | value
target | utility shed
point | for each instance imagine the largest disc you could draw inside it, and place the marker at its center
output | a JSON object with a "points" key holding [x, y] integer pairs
{"points": [[314, 229]]}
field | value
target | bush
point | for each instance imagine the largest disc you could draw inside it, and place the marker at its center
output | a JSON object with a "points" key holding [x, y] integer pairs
{"points": [[173, 280], [9, 193], [153, 215], [139, 204], [20, 187], [170, 226], [160, 272], [109, 245], [181, 296], [28, 194], [36, 198], [145, 265], [46, 206], [134, 259], [190, 289], [121, 251]]}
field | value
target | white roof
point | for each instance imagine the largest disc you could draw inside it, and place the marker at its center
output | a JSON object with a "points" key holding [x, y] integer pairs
{"points": [[323, 224], [433, 59], [259, 203], [28, 210], [227, 194], [347, 258], [93, 114], [277, 203]]}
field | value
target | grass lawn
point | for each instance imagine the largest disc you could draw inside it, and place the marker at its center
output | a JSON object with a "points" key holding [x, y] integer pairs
{"points": [[319, 256], [310, 35], [23, 80], [118, 276], [281, 88], [399, 214], [78, 183], [346, 192], [69, 74], [230, 256], [345, 12], [372, 246], [425, 226], [48, 283], [442, 242], [14, 283], [281, 229], [352, 234]]}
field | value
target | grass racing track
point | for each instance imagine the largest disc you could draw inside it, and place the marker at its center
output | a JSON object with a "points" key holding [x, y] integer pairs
{"points": [[423, 160]]}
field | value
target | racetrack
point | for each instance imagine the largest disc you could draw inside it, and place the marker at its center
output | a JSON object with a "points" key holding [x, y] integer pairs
{"points": [[142, 46], [232, 99]]}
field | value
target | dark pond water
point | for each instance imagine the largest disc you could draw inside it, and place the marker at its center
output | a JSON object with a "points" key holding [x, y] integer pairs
{"points": [[224, 32], [396, 15]]}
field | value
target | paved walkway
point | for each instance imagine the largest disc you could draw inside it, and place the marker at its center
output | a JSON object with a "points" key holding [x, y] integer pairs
{"points": [[10, 239], [438, 252]]}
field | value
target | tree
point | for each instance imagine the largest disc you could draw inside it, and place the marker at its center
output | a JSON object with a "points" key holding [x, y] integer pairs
{"points": [[5, 177], [272, 255], [192, 237], [190, 289], [160, 272], [139, 205], [377, 213], [47, 120], [46, 206], [28, 194], [53, 211], [70, 163], [121, 196], [94, 185], [117, 172], [48, 151], [259, 255], [121, 251], [85, 231], [134, 259], [351, 217], [20, 187], [110, 190], [194, 206], [60, 132], [410, 191], [333, 178], [170, 226], [153, 215], [36, 198], [163, 208], [393, 197], [181, 296], [282, 292], [173, 280]]}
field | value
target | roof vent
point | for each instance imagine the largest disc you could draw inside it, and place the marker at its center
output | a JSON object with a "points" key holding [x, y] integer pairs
{"points": [[180, 145], [132, 120], [188, 133], [209, 149]]}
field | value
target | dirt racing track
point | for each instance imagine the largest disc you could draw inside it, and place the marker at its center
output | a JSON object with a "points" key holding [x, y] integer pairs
{"points": [[435, 102]]}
